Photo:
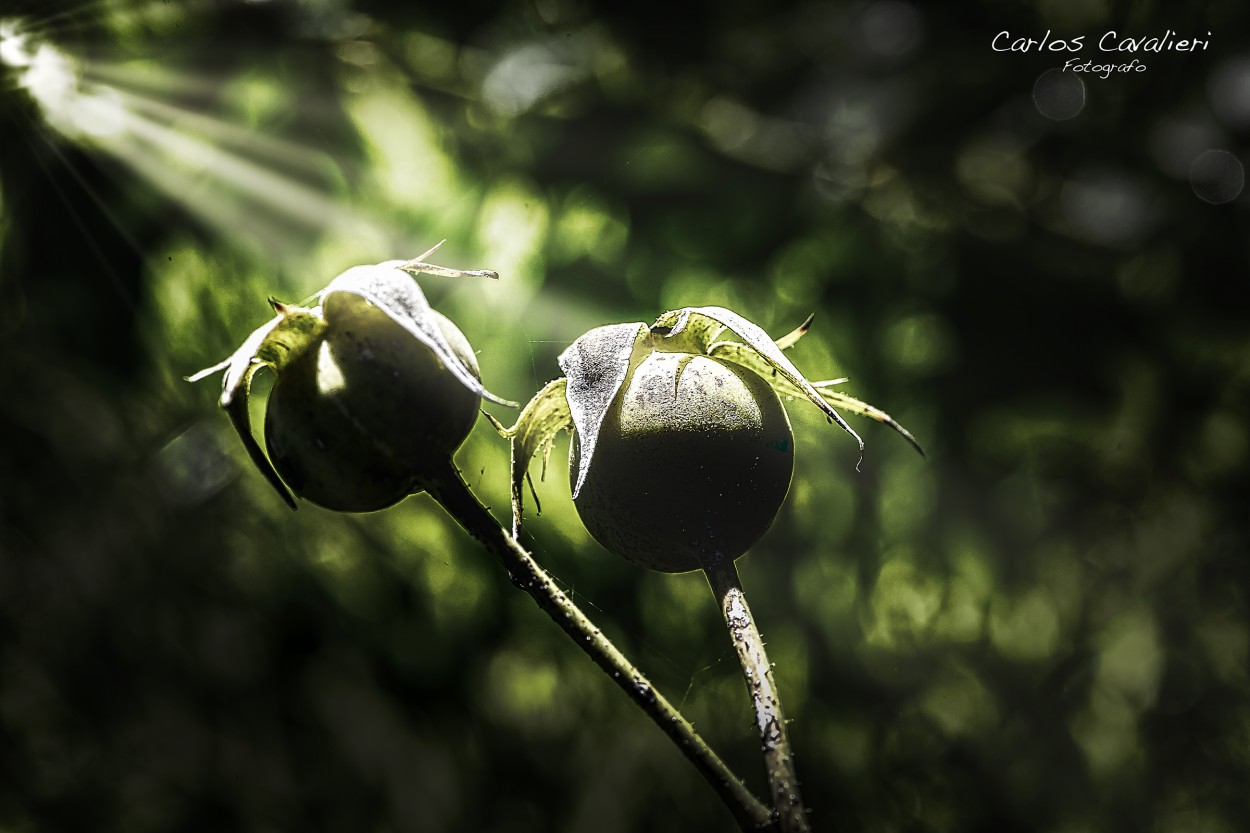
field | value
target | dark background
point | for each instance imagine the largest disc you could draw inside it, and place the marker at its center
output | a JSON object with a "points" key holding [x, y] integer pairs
{"points": [[1043, 626]]}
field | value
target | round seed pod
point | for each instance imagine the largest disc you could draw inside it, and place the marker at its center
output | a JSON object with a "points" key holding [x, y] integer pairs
{"points": [[692, 462], [355, 421]]}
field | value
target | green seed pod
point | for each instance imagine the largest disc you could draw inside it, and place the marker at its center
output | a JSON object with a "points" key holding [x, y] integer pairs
{"points": [[693, 460], [355, 420], [375, 390], [682, 453]]}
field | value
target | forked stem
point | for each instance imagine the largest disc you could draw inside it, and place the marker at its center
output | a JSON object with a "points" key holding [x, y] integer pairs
{"points": [[783, 783], [448, 488]]}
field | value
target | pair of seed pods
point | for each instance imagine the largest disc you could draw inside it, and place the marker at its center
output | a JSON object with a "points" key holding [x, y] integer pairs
{"points": [[682, 453]]}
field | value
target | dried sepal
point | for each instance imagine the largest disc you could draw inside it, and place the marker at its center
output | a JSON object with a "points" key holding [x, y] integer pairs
{"points": [[404, 303], [418, 266], [596, 365]]}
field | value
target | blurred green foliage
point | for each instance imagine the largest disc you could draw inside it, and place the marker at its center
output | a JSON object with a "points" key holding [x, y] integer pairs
{"points": [[1043, 626]]}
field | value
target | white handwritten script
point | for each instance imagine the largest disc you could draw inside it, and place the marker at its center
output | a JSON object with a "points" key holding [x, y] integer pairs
{"points": [[1108, 43]]}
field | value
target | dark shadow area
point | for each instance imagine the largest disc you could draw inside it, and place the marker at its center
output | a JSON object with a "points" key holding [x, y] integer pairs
{"points": [[1043, 273]]}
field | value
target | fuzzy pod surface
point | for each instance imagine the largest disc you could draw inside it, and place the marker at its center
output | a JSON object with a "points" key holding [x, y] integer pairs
{"points": [[358, 417], [693, 460]]}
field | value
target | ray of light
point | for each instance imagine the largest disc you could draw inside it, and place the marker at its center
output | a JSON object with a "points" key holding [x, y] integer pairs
{"points": [[253, 188]]}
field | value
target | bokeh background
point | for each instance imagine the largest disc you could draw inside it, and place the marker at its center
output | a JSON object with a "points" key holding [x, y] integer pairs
{"points": [[1043, 626]]}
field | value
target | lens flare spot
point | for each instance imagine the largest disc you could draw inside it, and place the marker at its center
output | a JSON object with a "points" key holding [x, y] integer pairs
{"points": [[1217, 177], [1059, 95]]}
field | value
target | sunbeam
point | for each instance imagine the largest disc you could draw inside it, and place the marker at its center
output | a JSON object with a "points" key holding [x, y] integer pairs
{"points": [[263, 193]]}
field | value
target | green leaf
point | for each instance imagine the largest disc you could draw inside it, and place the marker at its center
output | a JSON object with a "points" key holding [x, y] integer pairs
{"points": [[392, 290], [596, 365], [545, 416]]}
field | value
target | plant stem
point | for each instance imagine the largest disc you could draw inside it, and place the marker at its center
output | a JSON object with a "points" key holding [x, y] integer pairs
{"points": [[453, 494], [783, 783]]}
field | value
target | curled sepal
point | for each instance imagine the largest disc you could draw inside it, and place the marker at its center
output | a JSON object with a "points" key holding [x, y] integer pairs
{"points": [[761, 344], [388, 287], [270, 345], [596, 366], [546, 415], [747, 357], [686, 333], [237, 410]]}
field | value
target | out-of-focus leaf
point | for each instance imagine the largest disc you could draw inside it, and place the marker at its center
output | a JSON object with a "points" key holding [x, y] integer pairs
{"points": [[545, 416], [747, 357], [596, 366]]}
